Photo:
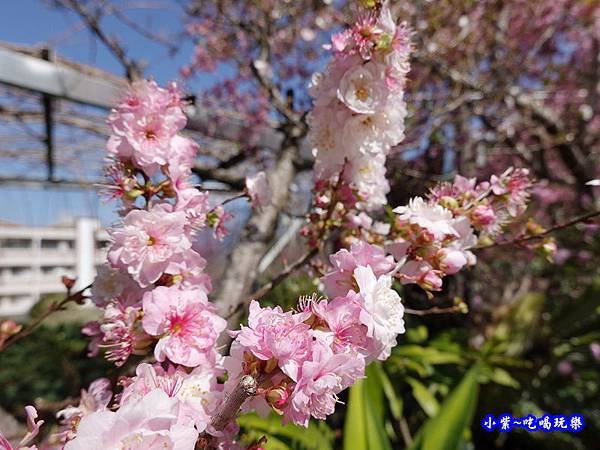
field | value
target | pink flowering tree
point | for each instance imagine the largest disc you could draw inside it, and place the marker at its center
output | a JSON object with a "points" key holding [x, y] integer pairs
{"points": [[189, 366]]}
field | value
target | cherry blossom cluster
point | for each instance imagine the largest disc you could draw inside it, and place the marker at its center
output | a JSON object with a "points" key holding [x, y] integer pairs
{"points": [[153, 290], [303, 359], [359, 110], [434, 236]]}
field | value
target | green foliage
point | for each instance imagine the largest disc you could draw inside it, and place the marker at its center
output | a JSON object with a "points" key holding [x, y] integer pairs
{"points": [[445, 430], [424, 397], [363, 428], [318, 436], [51, 364]]}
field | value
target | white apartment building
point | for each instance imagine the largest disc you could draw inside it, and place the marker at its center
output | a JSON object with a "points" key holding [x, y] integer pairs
{"points": [[34, 259]]}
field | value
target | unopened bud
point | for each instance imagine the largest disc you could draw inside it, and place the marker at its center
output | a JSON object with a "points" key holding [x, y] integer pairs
{"points": [[68, 282], [449, 202], [451, 260], [549, 249], [10, 328], [483, 215], [431, 281], [277, 398]]}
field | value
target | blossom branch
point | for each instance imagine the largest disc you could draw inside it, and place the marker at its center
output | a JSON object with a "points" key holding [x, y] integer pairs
{"points": [[300, 262], [245, 388], [521, 239], [54, 307]]}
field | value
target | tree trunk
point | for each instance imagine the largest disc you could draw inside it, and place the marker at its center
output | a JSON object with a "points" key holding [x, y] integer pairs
{"points": [[257, 236]]}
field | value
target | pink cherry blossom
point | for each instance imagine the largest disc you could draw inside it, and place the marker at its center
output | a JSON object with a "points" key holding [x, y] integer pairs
{"points": [[271, 333], [194, 204], [185, 322], [321, 378], [187, 270], [258, 190], [217, 220], [111, 283], [484, 216], [152, 423], [382, 311], [421, 273], [342, 316], [120, 332], [340, 280], [95, 398], [145, 243], [198, 391], [144, 124]]}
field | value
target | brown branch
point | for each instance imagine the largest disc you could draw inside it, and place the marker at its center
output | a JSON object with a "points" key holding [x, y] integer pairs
{"points": [[54, 307], [434, 310], [275, 94], [244, 389], [132, 68], [520, 239], [268, 287], [281, 276]]}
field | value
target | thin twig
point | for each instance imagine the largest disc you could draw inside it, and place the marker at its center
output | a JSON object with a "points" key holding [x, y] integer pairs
{"points": [[56, 306], [229, 200], [92, 20], [300, 262], [521, 239], [434, 310], [268, 287]]}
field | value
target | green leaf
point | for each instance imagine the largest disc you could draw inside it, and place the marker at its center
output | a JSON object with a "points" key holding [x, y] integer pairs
{"points": [[503, 378], [426, 399], [446, 429], [318, 436], [428, 354], [395, 402], [363, 428]]}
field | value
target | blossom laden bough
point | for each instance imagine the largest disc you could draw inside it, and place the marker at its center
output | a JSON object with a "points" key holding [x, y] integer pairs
{"points": [[359, 107], [154, 291]]}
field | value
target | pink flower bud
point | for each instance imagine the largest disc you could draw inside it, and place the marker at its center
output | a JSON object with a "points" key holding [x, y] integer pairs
{"points": [[10, 328], [451, 260], [431, 281], [277, 398], [483, 215], [595, 349], [258, 190], [565, 368]]}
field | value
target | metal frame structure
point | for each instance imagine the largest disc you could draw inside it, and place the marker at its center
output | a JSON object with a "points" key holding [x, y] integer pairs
{"points": [[53, 78]]}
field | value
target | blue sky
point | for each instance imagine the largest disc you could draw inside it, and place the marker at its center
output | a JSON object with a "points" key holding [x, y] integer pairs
{"points": [[31, 22]]}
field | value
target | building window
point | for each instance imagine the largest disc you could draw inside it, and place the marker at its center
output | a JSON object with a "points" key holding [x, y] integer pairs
{"points": [[57, 244], [15, 243]]}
